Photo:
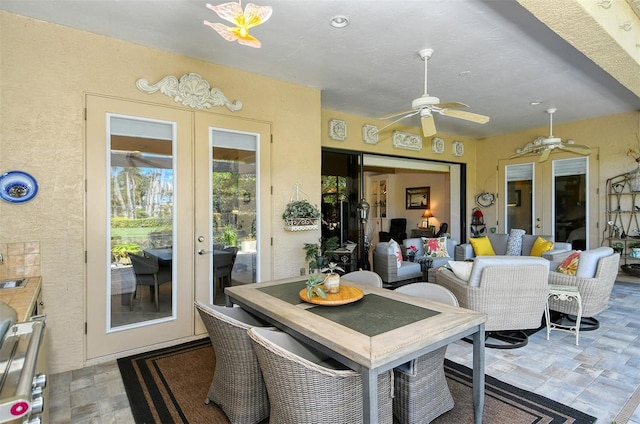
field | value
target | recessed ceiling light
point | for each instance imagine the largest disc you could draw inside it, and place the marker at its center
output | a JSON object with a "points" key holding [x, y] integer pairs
{"points": [[535, 102], [465, 73], [339, 21]]}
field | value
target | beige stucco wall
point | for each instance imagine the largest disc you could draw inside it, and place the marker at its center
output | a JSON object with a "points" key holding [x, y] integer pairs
{"points": [[45, 70]]}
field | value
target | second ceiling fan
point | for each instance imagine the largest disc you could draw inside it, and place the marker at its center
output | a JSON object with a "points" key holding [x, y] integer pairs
{"points": [[545, 145], [427, 105]]}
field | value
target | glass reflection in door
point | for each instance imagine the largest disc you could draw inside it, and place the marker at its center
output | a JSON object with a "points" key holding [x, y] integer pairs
{"points": [[519, 190], [141, 220], [570, 199], [234, 205]]}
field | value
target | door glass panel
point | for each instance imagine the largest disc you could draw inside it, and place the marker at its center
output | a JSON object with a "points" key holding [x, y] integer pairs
{"points": [[519, 199], [234, 206], [570, 199], [141, 180]]}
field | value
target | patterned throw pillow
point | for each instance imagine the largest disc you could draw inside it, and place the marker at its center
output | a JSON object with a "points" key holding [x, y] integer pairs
{"points": [[435, 247], [570, 265], [482, 246], [540, 246], [514, 242], [395, 247]]}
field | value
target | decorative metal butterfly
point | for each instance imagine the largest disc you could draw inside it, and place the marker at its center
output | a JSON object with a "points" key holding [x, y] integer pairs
{"points": [[253, 15]]}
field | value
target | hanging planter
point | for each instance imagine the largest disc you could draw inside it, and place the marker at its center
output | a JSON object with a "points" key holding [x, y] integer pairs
{"points": [[300, 215]]}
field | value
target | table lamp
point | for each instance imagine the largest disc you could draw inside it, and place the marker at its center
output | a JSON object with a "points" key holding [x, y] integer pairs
{"points": [[427, 214]]}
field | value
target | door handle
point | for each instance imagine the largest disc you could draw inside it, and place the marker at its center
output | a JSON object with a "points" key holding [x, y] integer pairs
{"points": [[204, 252]]}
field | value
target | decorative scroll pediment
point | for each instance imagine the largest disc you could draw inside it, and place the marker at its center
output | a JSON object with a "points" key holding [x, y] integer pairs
{"points": [[191, 90]]}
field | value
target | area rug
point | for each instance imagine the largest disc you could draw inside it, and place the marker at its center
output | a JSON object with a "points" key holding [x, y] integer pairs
{"points": [[170, 386]]}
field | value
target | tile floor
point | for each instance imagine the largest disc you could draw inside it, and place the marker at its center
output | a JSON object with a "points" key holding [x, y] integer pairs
{"points": [[598, 377]]}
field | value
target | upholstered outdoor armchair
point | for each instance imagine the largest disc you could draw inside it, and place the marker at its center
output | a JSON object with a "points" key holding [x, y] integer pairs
{"points": [[595, 275], [511, 290]]}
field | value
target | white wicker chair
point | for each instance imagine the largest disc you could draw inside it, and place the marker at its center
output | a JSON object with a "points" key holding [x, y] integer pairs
{"points": [[237, 386], [421, 390], [594, 288], [511, 290], [306, 386], [364, 277]]}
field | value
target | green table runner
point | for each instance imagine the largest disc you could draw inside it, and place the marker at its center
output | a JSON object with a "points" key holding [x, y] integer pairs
{"points": [[288, 292], [373, 314]]}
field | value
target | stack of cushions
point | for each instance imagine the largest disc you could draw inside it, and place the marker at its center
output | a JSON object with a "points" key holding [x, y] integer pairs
{"points": [[585, 263], [516, 243]]}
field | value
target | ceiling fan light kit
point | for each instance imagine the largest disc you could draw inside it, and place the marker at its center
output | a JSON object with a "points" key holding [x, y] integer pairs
{"points": [[426, 106]]}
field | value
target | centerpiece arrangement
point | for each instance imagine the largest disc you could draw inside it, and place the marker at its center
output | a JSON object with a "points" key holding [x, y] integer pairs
{"points": [[332, 280]]}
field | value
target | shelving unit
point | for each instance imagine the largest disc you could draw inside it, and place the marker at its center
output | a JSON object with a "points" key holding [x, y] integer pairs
{"points": [[381, 209], [622, 229]]}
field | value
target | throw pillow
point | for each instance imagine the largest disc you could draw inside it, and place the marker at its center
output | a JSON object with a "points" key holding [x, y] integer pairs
{"points": [[540, 246], [462, 269], [482, 246], [395, 248], [514, 242], [570, 265], [435, 247]]}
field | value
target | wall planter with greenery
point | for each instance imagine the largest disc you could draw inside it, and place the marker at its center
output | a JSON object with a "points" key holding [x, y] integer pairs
{"points": [[300, 215]]}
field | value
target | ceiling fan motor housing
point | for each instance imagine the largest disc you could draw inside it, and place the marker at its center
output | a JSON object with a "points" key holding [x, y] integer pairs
{"points": [[424, 101]]}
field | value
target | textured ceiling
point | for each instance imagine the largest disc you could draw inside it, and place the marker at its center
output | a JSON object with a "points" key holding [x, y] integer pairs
{"points": [[495, 56]]}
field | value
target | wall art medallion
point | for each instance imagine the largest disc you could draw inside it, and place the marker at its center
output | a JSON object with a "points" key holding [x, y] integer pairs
{"points": [[370, 134], [337, 129], [458, 148], [191, 90], [408, 141], [437, 145]]}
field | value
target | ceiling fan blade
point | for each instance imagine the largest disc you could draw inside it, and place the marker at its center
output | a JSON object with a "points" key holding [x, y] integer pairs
{"points": [[450, 105], [468, 116], [393, 115], [545, 155], [414, 112], [517, 155], [428, 125]]}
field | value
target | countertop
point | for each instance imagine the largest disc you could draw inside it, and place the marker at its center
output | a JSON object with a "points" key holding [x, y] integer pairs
{"points": [[23, 299]]}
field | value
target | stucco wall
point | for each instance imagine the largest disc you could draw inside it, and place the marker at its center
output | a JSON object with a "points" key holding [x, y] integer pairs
{"points": [[45, 71]]}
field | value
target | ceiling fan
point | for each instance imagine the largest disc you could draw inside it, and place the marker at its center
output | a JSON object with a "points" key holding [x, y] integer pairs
{"points": [[427, 105], [546, 145]]}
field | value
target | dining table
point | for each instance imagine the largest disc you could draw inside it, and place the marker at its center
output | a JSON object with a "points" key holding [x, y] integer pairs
{"points": [[381, 330]]}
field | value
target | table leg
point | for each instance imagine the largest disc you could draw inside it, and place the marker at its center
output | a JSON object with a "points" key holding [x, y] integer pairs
{"points": [[478, 374], [370, 396]]}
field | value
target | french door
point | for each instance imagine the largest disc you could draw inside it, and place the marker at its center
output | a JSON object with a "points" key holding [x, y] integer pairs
{"points": [[553, 197], [167, 188]]}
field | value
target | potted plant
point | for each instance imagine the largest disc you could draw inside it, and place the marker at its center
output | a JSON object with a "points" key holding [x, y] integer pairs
{"points": [[332, 280], [314, 287], [316, 253], [300, 215]]}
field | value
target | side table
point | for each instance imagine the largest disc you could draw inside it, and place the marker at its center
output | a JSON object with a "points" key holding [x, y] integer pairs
{"points": [[564, 294], [425, 263]]}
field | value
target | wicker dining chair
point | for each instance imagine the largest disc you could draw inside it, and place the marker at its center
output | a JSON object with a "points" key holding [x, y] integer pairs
{"points": [[237, 387], [420, 386], [305, 386]]}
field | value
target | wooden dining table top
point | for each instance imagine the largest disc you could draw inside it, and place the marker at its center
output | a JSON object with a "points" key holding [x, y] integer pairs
{"points": [[379, 330]]}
